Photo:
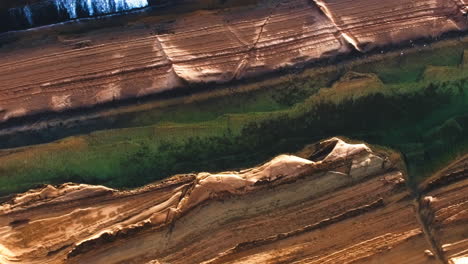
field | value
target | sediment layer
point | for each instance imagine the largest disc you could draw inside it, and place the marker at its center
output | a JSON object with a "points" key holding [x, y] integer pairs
{"points": [[334, 203], [82, 70], [445, 208]]}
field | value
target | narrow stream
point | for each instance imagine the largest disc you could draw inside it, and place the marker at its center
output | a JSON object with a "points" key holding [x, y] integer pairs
{"points": [[54, 11]]}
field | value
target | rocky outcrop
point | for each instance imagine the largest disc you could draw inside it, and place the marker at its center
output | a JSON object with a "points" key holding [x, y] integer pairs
{"points": [[158, 53], [366, 24], [334, 203], [233, 46], [444, 205]]}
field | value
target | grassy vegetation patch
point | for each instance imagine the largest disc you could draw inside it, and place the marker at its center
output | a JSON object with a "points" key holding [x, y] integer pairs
{"points": [[417, 105]]}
